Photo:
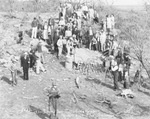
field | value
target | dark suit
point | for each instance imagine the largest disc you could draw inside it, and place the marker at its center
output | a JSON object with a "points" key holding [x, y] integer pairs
{"points": [[25, 63]]}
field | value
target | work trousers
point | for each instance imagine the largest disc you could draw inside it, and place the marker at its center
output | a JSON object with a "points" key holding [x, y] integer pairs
{"points": [[26, 73], [60, 51], [53, 102], [98, 46], [115, 77], [34, 32]]}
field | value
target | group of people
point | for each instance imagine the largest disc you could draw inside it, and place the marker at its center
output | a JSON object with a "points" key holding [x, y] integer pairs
{"points": [[33, 59], [104, 38], [120, 68], [66, 35]]}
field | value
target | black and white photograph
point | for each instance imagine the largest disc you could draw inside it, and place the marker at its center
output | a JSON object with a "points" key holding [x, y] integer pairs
{"points": [[74, 59]]}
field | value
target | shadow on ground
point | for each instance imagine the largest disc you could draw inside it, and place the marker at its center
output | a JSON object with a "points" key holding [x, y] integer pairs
{"points": [[41, 114], [29, 32], [63, 63], [97, 81], [146, 93], [4, 78]]}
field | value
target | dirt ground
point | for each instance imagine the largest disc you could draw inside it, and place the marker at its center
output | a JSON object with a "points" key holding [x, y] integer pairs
{"points": [[28, 100]]}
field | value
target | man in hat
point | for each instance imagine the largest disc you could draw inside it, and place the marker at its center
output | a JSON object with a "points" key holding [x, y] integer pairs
{"points": [[25, 64], [34, 25]]}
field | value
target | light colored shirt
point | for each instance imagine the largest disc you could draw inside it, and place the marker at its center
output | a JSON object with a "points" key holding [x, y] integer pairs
{"points": [[60, 43], [109, 22], [90, 32], [84, 8], [34, 43], [62, 23], [68, 33], [91, 12], [114, 65], [103, 37], [64, 41], [115, 45]]}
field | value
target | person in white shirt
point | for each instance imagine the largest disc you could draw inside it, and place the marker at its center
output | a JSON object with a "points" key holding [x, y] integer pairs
{"points": [[115, 47], [90, 33], [79, 23], [104, 25], [112, 21], [45, 31], [79, 13], [108, 23], [64, 40], [68, 32], [114, 69], [103, 37], [60, 46], [62, 22], [85, 10]]}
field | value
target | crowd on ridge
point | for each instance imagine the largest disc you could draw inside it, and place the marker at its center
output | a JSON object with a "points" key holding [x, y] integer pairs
{"points": [[66, 35]]}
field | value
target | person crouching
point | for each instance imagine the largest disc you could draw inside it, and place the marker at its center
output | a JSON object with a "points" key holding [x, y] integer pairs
{"points": [[39, 65]]}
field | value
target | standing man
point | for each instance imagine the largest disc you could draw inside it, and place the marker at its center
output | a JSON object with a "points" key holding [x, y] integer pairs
{"points": [[90, 34], [114, 68], [108, 23], [97, 36], [13, 69], [112, 21], [60, 46], [103, 37], [25, 64], [34, 25], [45, 32]]}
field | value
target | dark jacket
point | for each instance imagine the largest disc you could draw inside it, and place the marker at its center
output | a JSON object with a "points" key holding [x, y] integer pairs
{"points": [[25, 62], [34, 23]]}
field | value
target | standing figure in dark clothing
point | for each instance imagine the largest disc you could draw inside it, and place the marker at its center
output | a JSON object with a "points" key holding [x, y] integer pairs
{"points": [[25, 64], [32, 59], [119, 62], [56, 37], [114, 69], [126, 75]]}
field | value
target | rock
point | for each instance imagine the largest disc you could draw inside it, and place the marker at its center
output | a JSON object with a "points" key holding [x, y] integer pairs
{"points": [[127, 93], [66, 79]]}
